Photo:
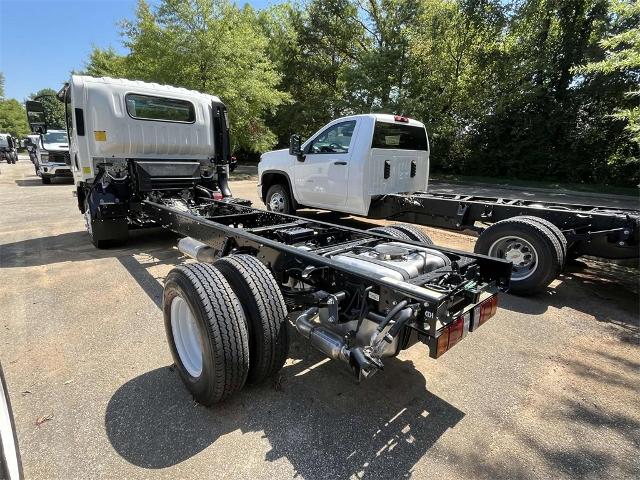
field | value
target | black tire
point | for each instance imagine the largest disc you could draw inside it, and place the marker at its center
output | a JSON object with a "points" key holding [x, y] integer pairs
{"points": [[103, 234], [10, 461], [392, 232], [265, 310], [413, 232], [46, 180], [284, 200], [548, 253], [221, 329], [562, 240]]}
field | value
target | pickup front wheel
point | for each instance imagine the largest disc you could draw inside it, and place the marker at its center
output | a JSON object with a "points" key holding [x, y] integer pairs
{"points": [[279, 200]]}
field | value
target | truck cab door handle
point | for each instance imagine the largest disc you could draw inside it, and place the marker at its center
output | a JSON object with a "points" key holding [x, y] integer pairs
{"points": [[339, 163]]}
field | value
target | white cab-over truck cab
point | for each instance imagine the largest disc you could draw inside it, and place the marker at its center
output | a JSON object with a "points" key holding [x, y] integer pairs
{"points": [[129, 140], [346, 164]]}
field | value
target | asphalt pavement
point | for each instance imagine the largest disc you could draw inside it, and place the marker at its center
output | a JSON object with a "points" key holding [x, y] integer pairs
{"points": [[548, 388]]}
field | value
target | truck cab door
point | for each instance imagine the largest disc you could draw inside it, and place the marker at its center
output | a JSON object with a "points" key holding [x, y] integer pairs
{"points": [[322, 172]]}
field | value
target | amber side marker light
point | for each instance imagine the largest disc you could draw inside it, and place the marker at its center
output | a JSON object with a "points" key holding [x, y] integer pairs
{"points": [[466, 323]]}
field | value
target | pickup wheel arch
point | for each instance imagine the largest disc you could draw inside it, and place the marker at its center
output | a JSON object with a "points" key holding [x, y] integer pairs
{"points": [[273, 177]]}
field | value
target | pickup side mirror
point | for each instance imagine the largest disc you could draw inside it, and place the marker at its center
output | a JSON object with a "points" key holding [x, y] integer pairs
{"points": [[35, 117], [295, 143]]}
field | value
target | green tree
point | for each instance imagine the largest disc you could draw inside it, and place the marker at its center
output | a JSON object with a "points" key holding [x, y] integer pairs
{"points": [[1, 85], [13, 118], [210, 46], [53, 108], [315, 48], [622, 58], [380, 80], [456, 61], [105, 63]]}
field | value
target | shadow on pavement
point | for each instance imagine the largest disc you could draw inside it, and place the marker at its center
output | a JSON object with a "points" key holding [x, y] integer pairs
{"points": [[37, 182], [319, 420], [75, 246], [568, 423]]}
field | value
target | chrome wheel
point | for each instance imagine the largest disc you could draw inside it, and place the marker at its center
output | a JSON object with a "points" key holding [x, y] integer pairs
{"points": [[518, 251], [186, 336], [277, 203]]}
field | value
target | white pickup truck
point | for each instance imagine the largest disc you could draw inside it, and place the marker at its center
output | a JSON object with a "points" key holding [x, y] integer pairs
{"points": [[377, 166], [51, 154], [338, 168]]}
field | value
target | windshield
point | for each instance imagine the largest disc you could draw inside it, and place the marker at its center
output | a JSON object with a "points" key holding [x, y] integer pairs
{"points": [[55, 137]]}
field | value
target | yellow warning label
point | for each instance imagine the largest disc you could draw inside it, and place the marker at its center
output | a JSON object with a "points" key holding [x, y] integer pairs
{"points": [[100, 135], [86, 170]]}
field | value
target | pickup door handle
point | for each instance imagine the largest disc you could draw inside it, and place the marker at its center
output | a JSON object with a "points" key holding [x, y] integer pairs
{"points": [[339, 163]]}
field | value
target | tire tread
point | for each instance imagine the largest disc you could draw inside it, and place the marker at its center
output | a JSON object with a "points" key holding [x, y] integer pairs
{"points": [[265, 311]]}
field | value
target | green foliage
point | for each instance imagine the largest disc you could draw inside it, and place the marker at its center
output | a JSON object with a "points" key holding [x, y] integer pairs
{"points": [[53, 108], [622, 58], [1, 85], [105, 63], [530, 89], [210, 46], [13, 118]]}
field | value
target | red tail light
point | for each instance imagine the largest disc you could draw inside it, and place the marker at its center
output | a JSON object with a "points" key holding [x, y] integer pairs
{"points": [[457, 329], [400, 118], [217, 196], [488, 309]]}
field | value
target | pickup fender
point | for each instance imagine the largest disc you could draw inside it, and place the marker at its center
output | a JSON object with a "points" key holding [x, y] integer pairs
{"points": [[273, 176]]}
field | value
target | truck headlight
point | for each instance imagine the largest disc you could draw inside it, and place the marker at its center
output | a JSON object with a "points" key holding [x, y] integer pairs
{"points": [[44, 157]]}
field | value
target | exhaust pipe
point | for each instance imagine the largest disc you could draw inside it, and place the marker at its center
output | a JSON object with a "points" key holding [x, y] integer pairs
{"points": [[197, 250], [223, 180]]}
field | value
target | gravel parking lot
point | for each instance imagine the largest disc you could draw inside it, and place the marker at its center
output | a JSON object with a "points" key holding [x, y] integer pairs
{"points": [[549, 388]]}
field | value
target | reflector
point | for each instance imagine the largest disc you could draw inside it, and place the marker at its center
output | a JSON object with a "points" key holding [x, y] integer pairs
{"points": [[443, 342]]}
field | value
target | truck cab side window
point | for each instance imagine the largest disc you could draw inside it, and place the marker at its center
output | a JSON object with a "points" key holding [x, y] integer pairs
{"points": [[335, 139]]}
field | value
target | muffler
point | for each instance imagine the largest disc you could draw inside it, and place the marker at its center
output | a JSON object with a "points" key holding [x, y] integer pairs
{"points": [[326, 341], [197, 250]]}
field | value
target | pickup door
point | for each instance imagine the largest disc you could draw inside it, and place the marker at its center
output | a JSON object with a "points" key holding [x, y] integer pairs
{"points": [[322, 177]]}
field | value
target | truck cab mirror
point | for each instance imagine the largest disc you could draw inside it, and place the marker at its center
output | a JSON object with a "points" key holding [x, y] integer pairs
{"points": [[295, 148], [36, 117]]}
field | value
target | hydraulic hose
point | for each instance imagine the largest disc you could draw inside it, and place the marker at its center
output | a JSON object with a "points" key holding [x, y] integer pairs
{"points": [[392, 313]]}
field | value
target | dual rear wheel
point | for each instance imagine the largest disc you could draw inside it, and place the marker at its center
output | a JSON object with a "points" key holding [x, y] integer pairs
{"points": [[225, 324]]}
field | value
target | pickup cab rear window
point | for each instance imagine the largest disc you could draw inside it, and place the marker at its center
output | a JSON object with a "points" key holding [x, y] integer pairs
{"points": [[147, 107], [399, 137]]}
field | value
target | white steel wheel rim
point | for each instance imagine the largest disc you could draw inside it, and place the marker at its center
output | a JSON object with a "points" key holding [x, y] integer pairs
{"points": [[519, 251], [87, 220], [277, 202], [186, 336]]}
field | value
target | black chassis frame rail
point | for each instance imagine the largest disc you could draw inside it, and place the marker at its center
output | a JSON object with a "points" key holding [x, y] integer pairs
{"points": [[590, 230], [220, 231]]}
